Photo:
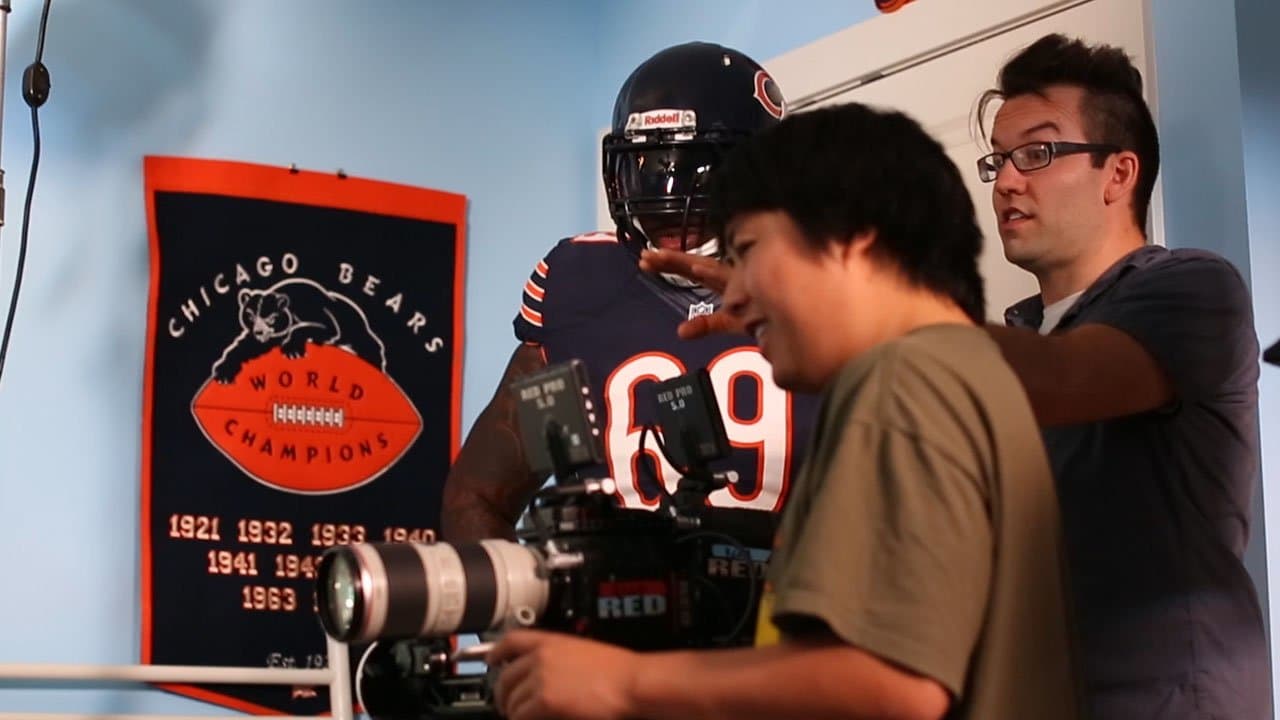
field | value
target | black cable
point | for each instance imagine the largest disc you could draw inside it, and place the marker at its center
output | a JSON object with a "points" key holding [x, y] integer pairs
{"points": [[662, 448], [35, 90], [666, 501]]}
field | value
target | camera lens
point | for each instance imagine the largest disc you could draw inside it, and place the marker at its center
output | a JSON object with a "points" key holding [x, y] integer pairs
{"points": [[343, 588], [388, 590]]}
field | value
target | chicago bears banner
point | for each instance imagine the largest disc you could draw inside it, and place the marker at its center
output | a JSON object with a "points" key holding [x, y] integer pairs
{"points": [[302, 390]]}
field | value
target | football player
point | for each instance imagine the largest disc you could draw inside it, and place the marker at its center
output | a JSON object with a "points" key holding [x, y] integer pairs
{"points": [[675, 116]]}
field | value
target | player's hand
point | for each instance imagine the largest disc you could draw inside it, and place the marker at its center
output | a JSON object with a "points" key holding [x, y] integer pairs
{"points": [[707, 272], [561, 677]]}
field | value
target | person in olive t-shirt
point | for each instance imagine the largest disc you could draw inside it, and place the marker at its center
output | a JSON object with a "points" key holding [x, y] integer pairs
{"points": [[918, 571], [924, 529]]}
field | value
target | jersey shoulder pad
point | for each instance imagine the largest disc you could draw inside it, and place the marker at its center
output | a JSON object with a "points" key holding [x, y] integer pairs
{"points": [[598, 236], [575, 274]]}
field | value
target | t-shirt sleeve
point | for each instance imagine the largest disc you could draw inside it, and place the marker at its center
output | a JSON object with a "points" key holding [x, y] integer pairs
{"points": [[1194, 315], [894, 554], [528, 322]]}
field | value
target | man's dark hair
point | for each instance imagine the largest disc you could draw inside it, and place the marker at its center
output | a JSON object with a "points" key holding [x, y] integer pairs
{"points": [[847, 169], [1113, 108]]}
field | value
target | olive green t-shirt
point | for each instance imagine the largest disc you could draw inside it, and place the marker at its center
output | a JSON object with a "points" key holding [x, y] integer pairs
{"points": [[923, 527]]}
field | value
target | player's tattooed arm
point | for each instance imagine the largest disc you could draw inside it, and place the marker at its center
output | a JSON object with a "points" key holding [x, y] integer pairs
{"points": [[490, 483]]}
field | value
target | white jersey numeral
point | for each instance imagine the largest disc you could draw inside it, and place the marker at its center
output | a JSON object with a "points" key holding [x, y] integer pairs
{"points": [[768, 433]]}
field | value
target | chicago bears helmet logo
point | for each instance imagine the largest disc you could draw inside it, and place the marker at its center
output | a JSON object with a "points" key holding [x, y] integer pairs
{"points": [[888, 6], [769, 95]]}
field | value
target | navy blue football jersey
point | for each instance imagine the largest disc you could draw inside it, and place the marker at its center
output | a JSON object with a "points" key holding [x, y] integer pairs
{"points": [[588, 299]]}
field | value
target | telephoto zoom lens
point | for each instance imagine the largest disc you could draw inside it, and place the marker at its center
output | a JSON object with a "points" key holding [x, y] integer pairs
{"points": [[402, 590]]}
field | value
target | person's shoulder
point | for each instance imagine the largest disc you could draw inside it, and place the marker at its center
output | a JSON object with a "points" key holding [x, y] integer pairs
{"points": [[592, 252], [588, 244], [596, 238], [579, 272], [1181, 278], [1190, 255], [1154, 261], [945, 348], [923, 351], [943, 363], [946, 387]]}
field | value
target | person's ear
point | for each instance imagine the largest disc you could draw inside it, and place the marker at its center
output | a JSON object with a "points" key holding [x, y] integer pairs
{"points": [[857, 247], [1122, 177]]}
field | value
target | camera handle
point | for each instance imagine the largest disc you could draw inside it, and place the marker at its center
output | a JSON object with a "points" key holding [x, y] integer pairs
{"points": [[440, 660], [696, 481], [561, 467]]}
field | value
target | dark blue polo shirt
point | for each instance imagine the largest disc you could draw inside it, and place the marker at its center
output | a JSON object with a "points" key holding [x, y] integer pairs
{"points": [[1156, 506]]}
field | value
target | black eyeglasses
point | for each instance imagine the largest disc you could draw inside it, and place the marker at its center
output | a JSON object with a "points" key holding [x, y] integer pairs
{"points": [[1034, 156]]}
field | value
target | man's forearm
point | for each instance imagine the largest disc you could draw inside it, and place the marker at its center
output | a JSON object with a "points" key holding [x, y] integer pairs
{"points": [[1032, 359], [490, 482], [1087, 374], [476, 519], [805, 682], [486, 489]]}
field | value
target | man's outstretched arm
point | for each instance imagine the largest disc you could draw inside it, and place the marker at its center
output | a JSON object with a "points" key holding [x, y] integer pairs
{"points": [[1086, 374]]}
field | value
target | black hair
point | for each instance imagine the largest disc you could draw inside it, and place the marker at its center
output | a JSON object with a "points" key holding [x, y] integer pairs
{"points": [[847, 169]]}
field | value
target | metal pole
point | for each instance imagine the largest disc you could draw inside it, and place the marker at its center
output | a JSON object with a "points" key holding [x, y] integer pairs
{"points": [[4, 46], [166, 674], [91, 716], [339, 685]]}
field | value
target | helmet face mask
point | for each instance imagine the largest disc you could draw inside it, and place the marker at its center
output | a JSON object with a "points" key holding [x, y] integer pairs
{"points": [[674, 118], [659, 190]]}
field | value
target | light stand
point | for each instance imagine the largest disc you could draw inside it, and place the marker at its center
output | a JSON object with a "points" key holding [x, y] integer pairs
{"points": [[4, 35]]}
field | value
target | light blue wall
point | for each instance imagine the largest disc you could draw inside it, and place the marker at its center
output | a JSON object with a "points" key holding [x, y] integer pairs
{"points": [[495, 99], [1257, 22], [483, 98], [1198, 88]]}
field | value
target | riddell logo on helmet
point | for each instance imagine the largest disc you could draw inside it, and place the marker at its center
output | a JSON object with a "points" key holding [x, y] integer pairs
{"points": [[665, 119], [661, 119]]}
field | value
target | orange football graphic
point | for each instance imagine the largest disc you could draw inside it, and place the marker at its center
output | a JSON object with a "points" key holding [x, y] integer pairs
{"points": [[322, 423]]}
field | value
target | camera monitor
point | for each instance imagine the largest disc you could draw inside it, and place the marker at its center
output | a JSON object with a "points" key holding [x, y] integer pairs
{"points": [[554, 410], [689, 417]]}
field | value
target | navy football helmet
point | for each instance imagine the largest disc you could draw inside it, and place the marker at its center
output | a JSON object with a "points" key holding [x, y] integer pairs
{"points": [[675, 117]]}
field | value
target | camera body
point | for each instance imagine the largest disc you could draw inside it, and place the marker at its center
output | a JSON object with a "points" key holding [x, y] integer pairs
{"points": [[641, 579]]}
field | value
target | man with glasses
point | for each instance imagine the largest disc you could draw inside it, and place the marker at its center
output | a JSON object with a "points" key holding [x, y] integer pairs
{"points": [[1142, 364]]}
